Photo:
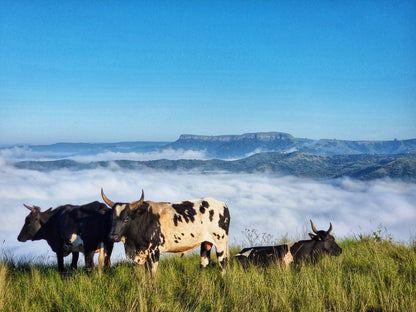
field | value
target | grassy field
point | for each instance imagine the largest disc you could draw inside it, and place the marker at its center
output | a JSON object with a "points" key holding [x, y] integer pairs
{"points": [[372, 274]]}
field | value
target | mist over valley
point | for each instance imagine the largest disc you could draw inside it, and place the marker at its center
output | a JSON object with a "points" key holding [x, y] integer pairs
{"points": [[272, 191]]}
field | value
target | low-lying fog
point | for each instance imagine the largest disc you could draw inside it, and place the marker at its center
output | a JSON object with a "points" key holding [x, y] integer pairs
{"points": [[278, 206]]}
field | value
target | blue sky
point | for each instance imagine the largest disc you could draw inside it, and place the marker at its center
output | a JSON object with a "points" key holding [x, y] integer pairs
{"points": [[106, 71]]}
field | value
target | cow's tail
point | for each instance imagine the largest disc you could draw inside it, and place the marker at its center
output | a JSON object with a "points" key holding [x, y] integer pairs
{"points": [[226, 262], [228, 255]]}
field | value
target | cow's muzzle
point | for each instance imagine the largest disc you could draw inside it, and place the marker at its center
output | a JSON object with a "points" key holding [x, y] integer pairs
{"points": [[115, 237], [21, 238], [337, 251]]}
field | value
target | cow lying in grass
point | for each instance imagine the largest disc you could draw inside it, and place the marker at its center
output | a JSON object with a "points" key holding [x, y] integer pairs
{"points": [[322, 242]]}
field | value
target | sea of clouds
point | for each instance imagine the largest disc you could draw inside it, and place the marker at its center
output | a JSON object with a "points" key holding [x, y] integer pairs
{"points": [[278, 206], [23, 153]]}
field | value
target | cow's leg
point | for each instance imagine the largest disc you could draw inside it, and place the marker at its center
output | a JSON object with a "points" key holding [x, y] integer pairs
{"points": [[205, 253], [151, 266], [74, 263], [222, 258], [221, 247], [222, 253], [152, 261], [89, 260], [108, 250], [60, 258], [101, 256]]}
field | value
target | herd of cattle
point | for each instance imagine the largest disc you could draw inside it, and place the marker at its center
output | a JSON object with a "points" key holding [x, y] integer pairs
{"points": [[148, 229]]}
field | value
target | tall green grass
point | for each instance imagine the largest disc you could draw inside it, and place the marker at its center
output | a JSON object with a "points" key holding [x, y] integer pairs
{"points": [[371, 275]]}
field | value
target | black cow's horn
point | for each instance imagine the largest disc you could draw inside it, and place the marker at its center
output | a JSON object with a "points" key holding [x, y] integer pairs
{"points": [[28, 207], [137, 204], [314, 228], [330, 229], [106, 200]]}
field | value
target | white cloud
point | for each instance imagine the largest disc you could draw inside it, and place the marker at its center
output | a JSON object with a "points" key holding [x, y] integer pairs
{"points": [[23, 153], [17, 153], [170, 154], [275, 205]]}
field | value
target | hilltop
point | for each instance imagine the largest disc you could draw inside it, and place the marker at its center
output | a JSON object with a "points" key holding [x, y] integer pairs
{"points": [[237, 146]]}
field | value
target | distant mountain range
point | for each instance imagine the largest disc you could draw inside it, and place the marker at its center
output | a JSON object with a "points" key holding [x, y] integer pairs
{"points": [[66, 150], [229, 146], [272, 152], [360, 166], [237, 146]]}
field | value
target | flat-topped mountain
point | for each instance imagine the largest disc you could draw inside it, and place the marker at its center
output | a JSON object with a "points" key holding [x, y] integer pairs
{"points": [[260, 136], [237, 146]]}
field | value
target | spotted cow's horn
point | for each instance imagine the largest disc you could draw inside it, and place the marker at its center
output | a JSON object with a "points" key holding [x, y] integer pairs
{"points": [[330, 229], [313, 227], [137, 204], [106, 200]]}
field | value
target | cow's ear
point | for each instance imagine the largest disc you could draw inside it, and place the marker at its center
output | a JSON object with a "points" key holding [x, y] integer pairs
{"points": [[312, 235]]}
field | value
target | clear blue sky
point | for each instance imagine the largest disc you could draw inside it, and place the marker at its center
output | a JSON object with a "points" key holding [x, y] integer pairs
{"points": [[106, 71]]}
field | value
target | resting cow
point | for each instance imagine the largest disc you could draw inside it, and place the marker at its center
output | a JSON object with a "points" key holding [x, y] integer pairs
{"points": [[73, 229], [149, 228], [322, 242]]}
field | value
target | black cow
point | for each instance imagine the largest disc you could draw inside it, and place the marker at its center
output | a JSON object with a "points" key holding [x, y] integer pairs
{"points": [[149, 228], [322, 242], [73, 229]]}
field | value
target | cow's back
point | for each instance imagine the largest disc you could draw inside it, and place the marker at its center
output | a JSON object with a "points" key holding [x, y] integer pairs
{"points": [[203, 213], [186, 224], [263, 254], [87, 225]]}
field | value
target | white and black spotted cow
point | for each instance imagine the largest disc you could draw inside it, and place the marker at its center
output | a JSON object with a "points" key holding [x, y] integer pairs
{"points": [[322, 242], [149, 228]]}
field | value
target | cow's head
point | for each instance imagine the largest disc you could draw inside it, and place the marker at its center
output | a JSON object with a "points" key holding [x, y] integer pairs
{"points": [[32, 225], [330, 246], [123, 214]]}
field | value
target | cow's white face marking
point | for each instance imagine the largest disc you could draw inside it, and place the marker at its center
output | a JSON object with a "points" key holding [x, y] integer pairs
{"points": [[77, 244], [119, 209]]}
